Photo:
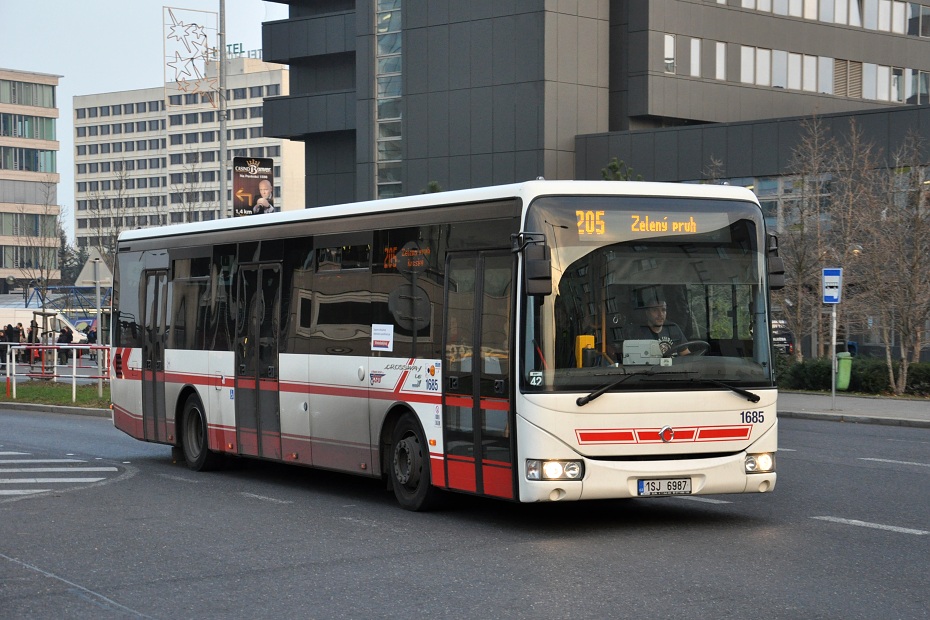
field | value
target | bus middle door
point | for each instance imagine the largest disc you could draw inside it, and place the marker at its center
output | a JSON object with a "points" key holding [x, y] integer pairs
{"points": [[258, 416], [477, 416], [154, 425]]}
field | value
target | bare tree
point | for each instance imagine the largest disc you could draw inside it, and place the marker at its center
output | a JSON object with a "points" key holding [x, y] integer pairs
{"points": [[40, 226], [803, 239], [187, 187], [857, 186], [107, 209], [714, 171], [896, 244]]}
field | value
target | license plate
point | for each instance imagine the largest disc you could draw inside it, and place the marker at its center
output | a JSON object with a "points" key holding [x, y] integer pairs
{"points": [[664, 486]]}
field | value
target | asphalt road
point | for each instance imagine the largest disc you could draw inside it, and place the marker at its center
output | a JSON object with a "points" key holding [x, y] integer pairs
{"points": [[846, 534]]}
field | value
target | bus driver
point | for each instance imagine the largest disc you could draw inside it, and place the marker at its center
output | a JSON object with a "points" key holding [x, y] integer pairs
{"points": [[654, 322]]}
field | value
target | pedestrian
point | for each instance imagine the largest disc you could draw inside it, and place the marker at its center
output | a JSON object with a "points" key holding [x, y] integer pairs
{"points": [[32, 339], [65, 338], [6, 338], [17, 339]]}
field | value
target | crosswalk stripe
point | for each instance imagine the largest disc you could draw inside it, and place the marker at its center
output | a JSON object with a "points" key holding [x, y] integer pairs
{"points": [[15, 461], [51, 470], [46, 480]]}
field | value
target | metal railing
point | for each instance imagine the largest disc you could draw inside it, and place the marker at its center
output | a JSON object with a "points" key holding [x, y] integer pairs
{"points": [[57, 363]]}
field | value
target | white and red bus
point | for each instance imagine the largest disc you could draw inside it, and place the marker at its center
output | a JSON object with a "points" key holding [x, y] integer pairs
{"points": [[493, 341]]}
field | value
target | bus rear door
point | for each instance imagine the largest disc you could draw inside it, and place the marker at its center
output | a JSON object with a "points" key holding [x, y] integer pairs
{"points": [[258, 416], [477, 416], [153, 356]]}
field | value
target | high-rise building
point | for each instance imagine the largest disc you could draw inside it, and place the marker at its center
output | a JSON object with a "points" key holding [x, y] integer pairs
{"points": [[143, 160], [29, 211], [391, 96]]}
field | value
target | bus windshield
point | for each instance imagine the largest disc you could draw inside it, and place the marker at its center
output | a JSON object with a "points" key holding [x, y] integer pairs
{"points": [[669, 292]]}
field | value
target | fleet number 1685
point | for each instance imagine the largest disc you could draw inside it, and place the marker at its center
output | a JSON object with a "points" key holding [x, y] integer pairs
{"points": [[752, 417]]}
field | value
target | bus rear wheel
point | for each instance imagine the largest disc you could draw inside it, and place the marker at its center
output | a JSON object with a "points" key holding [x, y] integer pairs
{"points": [[195, 442], [409, 466]]}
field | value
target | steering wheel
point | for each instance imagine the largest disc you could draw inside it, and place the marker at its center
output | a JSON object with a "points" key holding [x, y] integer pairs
{"points": [[695, 347]]}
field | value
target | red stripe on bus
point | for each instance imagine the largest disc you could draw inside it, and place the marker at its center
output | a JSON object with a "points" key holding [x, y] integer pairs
{"points": [[653, 435], [488, 404], [724, 432], [461, 473], [606, 436], [437, 470], [498, 479]]}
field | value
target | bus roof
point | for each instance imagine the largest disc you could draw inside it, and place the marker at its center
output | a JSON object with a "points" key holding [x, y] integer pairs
{"points": [[526, 191]]}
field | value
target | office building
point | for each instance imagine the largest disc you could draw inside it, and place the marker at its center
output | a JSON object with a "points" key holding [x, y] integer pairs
{"points": [[29, 211], [143, 160], [392, 95]]}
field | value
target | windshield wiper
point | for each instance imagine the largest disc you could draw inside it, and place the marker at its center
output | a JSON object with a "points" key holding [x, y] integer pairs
{"points": [[753, 398], [584, 400]]}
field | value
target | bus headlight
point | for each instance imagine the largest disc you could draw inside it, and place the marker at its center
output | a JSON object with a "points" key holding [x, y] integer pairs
{"points": [[761, 463], [554, 470]]}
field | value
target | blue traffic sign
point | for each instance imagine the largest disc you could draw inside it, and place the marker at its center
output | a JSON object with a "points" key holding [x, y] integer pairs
{"points": [[832, 285]]}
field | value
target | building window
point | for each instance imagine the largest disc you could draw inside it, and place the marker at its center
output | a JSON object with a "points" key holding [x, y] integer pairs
{"points": [[388, 109], [747, 64], [669, 53], [720, 70], [695, 58], [255, 91], [240, 113]]}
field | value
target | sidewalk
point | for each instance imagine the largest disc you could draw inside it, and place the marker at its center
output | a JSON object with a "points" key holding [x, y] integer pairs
{"points": [[861, 409]]}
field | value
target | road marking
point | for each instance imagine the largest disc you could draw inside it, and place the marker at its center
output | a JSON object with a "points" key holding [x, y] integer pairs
{"points": [[874, 526], [896, 462], [46, 480], [23, 491], [51, 470], [786, 450], [178, 478], [15, 461], [94, 597], [14, 453], [705, 500], [266, 499]]}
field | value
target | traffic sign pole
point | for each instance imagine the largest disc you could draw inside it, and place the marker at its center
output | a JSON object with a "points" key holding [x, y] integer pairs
{"points": [[832, 290]]}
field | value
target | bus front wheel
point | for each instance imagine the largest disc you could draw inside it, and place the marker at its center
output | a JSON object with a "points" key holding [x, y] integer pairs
{"points": [[197, 452], [409, 466]]}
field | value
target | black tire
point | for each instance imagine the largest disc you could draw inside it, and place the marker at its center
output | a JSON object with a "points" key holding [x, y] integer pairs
{"points": [[409, 468], [194, 440]]}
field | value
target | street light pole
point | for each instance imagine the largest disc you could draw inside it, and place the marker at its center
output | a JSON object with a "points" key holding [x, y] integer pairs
{"points": [[222, 112], [97, 328]]}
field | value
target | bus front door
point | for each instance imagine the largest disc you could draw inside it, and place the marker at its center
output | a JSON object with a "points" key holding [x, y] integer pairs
{"points": [[477, 412], [258, 416], [153, 356]]}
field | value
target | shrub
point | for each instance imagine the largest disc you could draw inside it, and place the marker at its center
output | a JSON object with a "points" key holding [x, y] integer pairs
{"points": [[868, 375]]}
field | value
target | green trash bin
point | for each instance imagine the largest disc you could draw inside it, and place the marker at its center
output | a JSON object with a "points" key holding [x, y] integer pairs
{"points": [[843, 370]]}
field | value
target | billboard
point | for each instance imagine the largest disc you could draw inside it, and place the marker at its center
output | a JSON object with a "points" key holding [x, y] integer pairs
{"points": [[253, 186]]}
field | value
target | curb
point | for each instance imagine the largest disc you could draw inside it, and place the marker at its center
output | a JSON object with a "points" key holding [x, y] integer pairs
{"points": [[86, 411], [854, 419]]}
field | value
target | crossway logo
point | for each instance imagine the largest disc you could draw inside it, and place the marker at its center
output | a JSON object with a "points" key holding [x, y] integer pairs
{"points": [[23, 474]]}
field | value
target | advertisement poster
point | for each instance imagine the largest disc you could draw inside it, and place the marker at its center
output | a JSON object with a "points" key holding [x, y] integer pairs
{"points": [[253, 186], [382, 337]]}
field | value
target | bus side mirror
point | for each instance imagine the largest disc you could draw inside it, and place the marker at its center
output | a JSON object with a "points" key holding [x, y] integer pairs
{"points": [[537, 269], [776, 266]]}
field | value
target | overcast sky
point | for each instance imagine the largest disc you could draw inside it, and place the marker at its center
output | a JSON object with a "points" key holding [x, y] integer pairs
{"points": [[101, 46]]}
